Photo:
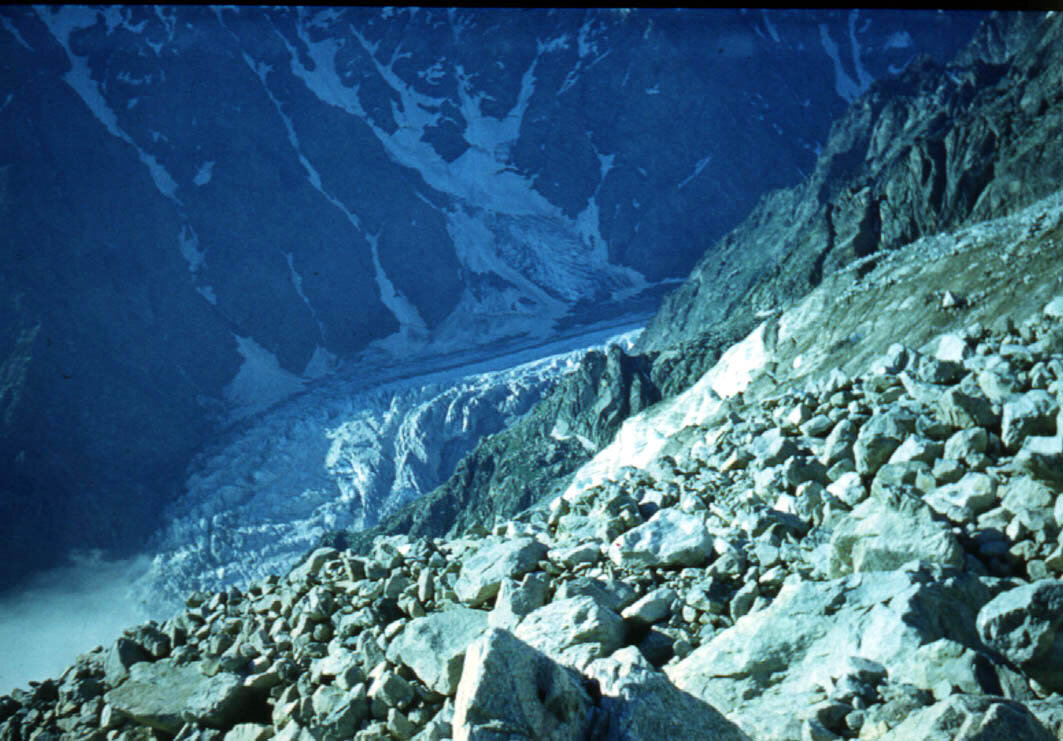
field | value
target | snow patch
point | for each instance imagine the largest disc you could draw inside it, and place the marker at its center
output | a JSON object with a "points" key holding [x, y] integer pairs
{"points": [[898, 40], [772, 31], [411, 325], [188, 243], [62, 22], [204, 173], [260, 382], [10, 27], [698, 167], [844, 85]]}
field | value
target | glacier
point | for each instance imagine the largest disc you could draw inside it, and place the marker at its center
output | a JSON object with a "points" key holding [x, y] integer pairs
{"points": [[351, 449]]}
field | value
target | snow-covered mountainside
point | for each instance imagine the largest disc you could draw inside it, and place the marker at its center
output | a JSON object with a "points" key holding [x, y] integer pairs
{"points": [[206, 208], [340, 456]]}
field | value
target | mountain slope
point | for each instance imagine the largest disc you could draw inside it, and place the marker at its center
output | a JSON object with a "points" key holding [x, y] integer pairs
{"points": [[207, 208], [933, 149]]}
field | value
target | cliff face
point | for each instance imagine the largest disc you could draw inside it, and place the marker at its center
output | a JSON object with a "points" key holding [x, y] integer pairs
{"points": [[931, 150]]}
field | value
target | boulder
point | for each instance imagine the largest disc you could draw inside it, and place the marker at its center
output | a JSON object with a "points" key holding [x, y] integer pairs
{"points": [[510, 690], [164, 695], [879, 438], [1042, 458], [970, 717], [639, 704], [886, 531], [965, 499], [962, 409], [669, 538], [776, 659], [573, 631], [484, 571], [1023, 624], [434, 646], [1033, 413]]}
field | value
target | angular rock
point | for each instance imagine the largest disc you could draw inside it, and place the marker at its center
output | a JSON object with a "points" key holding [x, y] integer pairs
{"points": [[970, 717], [165, 695], [483, 572], [434, 646], [879, 438], [514, 600], [655, 606], [669, 538], [1033, 413], [775, 659], [1023, 624], [962, 409], [965, 499], [570, 630], [1042, 457], [510, 690], [885, 532], [639, 704]]}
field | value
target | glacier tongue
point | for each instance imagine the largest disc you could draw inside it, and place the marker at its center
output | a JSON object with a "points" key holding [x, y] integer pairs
{"points": [[340, 456]]}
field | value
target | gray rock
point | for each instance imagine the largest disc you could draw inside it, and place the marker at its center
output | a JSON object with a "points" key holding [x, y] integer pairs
{"points": [[309, 568], [964, 500], [917, 448], [776, 659], [515, 600], [1022, 623], [970, 717], [570, 630], [164, 696], [122, 654], [339, 712], [1042, 457], [434, 646], [849, 489], [640, 704], [669, 538], [839, 443], [966, 444], [773, 447], [510, 690], [1033, 413], [952, 348], [963, 409], [946, 663], [879, 438], [887, 531], [652, 608], [484, 571]]}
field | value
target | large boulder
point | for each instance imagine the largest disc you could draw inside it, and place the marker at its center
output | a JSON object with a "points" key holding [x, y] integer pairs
{"points": [[1023, 624], [482, 574], [774, 660], [639, 704], [888, 530], [970, 717], [669, 538], [573, 631], [165, 695], [434, 646], [510, 690]]}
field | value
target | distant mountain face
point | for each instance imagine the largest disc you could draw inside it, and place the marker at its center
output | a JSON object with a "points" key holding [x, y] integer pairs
{"points": [[203, 208]]}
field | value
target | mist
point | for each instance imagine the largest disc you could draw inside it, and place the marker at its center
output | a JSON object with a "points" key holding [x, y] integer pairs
{"points": [[46, 624]]}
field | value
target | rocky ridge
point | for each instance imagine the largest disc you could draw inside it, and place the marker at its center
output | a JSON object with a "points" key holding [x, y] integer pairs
{"points": [[867, 553]]}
